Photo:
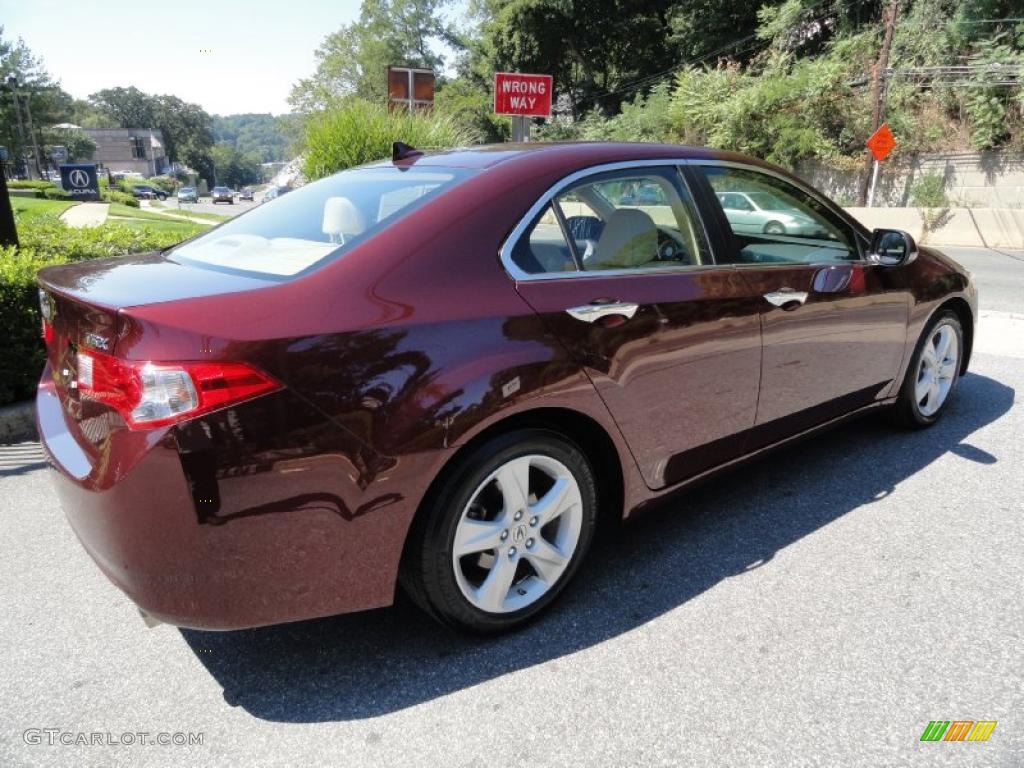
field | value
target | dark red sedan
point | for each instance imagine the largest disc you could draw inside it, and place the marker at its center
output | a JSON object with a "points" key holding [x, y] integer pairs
{"points": [[442, 370]]}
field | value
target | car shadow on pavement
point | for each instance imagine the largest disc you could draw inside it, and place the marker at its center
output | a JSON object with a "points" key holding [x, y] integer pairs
{"points": [[369, 664]]}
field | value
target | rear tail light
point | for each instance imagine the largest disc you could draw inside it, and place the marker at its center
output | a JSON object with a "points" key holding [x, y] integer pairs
{"points": [[46, 313], [157, 394]]}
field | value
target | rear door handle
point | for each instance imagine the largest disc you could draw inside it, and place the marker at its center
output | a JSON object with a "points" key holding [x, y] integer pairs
{"points": [[786, 298], [588, 313]]}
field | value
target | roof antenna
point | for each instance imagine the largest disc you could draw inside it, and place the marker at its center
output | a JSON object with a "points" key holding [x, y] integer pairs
{"points": [[400, 151]]}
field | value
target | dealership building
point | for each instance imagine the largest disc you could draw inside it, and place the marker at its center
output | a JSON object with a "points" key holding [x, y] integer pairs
{"points": [[129, 150]]}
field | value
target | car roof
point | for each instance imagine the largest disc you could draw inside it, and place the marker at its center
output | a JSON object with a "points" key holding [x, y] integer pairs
{"points": [[583, 152]]}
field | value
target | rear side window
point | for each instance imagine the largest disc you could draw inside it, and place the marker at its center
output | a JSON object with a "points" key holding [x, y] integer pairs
{"points": [[300, 230], [543, 247]]}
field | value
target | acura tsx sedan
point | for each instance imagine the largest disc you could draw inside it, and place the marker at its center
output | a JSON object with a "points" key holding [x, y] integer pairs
{"points": [[440, 371]]}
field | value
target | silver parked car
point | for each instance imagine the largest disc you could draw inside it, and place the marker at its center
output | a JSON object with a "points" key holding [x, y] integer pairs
{"points": [[756, 212]]}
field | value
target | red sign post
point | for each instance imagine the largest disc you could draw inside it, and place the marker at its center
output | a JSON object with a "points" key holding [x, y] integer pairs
{"points": [[522, 95], [881, 143]]}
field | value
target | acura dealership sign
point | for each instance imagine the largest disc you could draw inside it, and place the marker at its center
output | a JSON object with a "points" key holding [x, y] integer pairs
{"points": [[80, 181]]}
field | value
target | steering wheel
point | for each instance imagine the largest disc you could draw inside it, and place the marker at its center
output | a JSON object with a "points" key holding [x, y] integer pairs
{"points": [[670, 248]]}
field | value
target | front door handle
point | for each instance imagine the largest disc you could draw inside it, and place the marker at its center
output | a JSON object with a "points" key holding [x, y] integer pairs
{"points": [[588, 313], [787, 298]]}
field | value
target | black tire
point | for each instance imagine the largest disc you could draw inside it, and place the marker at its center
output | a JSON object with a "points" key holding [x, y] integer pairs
{"points": [[775, 228], [427, 573], [907, 411]]}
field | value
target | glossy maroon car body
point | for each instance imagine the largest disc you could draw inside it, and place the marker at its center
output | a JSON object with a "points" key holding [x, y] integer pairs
{"points": [[393, 358]]}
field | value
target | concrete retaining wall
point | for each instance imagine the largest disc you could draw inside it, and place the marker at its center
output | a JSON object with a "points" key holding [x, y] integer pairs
{"points": [[968, 227], [972, 179]]}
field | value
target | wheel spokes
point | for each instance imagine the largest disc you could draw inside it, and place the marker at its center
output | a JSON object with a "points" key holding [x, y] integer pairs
{"points": [[547, 560], [514, 482], [494, 589], [477, 536], [557, 500], [942, 344]]}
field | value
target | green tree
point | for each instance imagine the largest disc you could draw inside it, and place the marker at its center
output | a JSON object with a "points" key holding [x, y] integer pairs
{"points": [[353, 60], [126, 107], [233, 168], [79, 146], [37, 91]]}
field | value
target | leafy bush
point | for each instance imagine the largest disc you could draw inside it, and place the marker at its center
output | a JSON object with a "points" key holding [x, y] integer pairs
{"points": [[929, 191], [45, 240], [29, 184], [55, 193], [353, 131], [163, 183], [117, 196], [24, 353]]}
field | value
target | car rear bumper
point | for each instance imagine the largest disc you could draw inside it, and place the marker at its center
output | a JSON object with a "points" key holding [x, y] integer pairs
{"points": [[275, 551]]}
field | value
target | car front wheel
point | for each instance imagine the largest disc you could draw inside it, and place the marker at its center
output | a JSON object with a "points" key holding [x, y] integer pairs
{"points": [[504, 534], [932, 374], [775, 228]]}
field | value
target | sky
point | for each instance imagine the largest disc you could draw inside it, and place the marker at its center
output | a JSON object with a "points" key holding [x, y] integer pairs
{"points": [[228, 56]]}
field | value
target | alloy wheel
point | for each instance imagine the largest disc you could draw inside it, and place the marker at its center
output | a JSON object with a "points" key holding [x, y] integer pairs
{"points": [[937, 369], [518, 533]]}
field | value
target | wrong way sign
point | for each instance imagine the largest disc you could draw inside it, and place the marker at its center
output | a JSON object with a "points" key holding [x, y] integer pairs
{"points": [[516, 93]]}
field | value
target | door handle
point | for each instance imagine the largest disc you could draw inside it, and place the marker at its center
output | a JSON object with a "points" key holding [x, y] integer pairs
{"points": [[588, 313], [787, 298]]}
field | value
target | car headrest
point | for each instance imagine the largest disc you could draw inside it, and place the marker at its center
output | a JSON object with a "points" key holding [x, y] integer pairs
{"points": [[629, 239], [342, 218]]}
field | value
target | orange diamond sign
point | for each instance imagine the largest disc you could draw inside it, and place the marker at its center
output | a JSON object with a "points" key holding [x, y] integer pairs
{"points": [[882, 142]]}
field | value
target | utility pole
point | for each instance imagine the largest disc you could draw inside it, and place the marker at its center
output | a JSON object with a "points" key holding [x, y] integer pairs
{"points": [[12, 83], [878, 86], [32, 134]]}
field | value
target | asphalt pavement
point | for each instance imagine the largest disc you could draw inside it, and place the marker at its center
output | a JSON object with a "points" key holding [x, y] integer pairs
{"points": [[818, 609]]}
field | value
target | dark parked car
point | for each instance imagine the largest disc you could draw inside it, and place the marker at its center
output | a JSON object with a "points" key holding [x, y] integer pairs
{"points": [[245, 194], [144, 192], [416, 372], [222, 195]]}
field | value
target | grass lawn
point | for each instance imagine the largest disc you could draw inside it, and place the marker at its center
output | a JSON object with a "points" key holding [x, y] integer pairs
{"points": [[126, 211], [28, 207], [218, 217], [161, 224]]}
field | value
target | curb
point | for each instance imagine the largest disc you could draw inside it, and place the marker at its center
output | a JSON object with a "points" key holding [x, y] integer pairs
{"points": [[18, 422]]}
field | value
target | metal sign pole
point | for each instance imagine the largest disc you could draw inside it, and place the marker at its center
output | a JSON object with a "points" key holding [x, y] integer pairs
{"points": [[874, 184]]}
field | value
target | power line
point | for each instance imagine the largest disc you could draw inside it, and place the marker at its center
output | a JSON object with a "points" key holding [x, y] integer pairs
{"points": [[637, 84]]}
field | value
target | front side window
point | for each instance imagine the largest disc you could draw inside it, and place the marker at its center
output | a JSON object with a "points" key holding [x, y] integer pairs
{"points": [[633, 219], [772, 221], [302, 229]]}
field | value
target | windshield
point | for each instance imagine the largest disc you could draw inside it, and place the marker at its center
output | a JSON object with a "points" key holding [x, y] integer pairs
{"points": [[297, 231]]}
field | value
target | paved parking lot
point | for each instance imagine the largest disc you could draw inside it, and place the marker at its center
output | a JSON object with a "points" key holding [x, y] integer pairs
{"points": [[819, 610]]}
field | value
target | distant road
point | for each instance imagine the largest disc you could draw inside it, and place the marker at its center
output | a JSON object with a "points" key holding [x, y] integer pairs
{"points": [[205, 206]]}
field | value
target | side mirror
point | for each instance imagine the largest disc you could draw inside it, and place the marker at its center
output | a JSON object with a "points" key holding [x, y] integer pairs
{"points": [[892, 247]]}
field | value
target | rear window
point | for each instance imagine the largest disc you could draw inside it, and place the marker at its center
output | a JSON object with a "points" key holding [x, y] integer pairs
{"points": [[296, 232]]}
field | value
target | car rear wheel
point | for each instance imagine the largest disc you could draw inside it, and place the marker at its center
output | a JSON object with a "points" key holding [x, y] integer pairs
{"points": [[932, 374], [504, 534], [775, 228]]}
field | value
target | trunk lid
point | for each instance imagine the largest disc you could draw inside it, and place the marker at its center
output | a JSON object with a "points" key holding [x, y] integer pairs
{"points": [[84, 303]]}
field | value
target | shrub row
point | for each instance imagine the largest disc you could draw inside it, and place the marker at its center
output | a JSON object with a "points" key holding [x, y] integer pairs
{"points": [[29, 184]]}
